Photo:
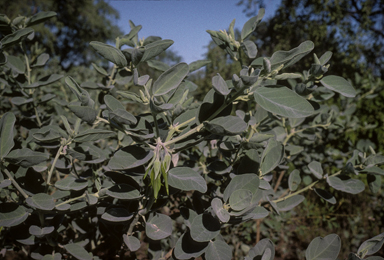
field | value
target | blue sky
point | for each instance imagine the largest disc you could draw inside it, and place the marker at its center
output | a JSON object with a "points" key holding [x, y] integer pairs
{"points": [[183, 21]]}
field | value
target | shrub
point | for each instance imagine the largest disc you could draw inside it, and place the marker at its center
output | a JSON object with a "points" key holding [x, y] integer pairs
{"points": [[82, 177]]}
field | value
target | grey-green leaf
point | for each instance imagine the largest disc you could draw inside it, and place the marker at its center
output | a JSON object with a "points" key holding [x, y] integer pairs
{"points": [[316, 169], [131, 242], [244, 181], [158, 227], [250, 49], [78, 251], [93, 135], [71, 183], [195, 65], [288, 58], [294, 180], [226, 125], [123, 191], [25, 157], [130, 157], [7, 123], [220, 211], [117, 214], [45, 81], [263, 247], [371, 245], [170, 79], [220, 86], [39, 232], [326, 248], [204, 228], [185, 178], [283, 101], [109, 52], [41, 201], [12, 214], [218, 250], [240, 199], [187, 248], [325, 195], [251, 24], [40, 17], [338, 84], [272, 156], [85, 113], [290, 203], [155, 48], [15, 37], [352, 186]]}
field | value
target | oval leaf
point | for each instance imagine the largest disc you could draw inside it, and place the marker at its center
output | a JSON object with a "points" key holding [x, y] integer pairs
{"points": [[170, 79], [326, 248], [338, 84], [316, 169], [158, 227], [218, 250], [294, 180], [109, 52], [7, 123], [283, 101], [226, 125], [187, 248], [131, 242], [129, 157], [352, 186], [12, 214], [290, 203], [240, 199], [41, 201], [272, 156], [78, 251], [25, 157], [184, 178], [204, 228]]}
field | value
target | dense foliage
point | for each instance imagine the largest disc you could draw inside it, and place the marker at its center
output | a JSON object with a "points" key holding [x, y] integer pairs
{"points": [[82, 177]]}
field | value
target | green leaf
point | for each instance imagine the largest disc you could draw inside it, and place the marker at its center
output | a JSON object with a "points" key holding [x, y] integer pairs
{"points": [[250, 49], [240, 199], [325, 195], [40, 232], [326, 248], [220, 211], [226, 125], [85, 113], [373, 170], [244, 181], [25, 157], [93, 135], [41, 60], [195, 65], [40, 17], [338, 84], [78, 251], [187, 248], [47, 134], [204, 228], [15, 37], [45, 81], [158, 65], [371, 245], [325, 58], [272, 156], [374, 182], [250, 26], [187, 179], [122, 117], [264, 250], [7, 123], [158, 227], [352, 186], [294, 180], [289, 58], [116, 214], [71, 183], [283, 101], [100, 70], [131, 242], [220, 86], [109, 52], [130, 157], [218, 250], [170, 79], [41, 201], [16, 64], [290, 203], [123, 191], [316, 169], [155, 48], [12, 214]]}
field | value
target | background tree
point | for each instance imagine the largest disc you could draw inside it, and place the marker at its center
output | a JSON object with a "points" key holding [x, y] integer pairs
{"points": [[67, 36]]}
